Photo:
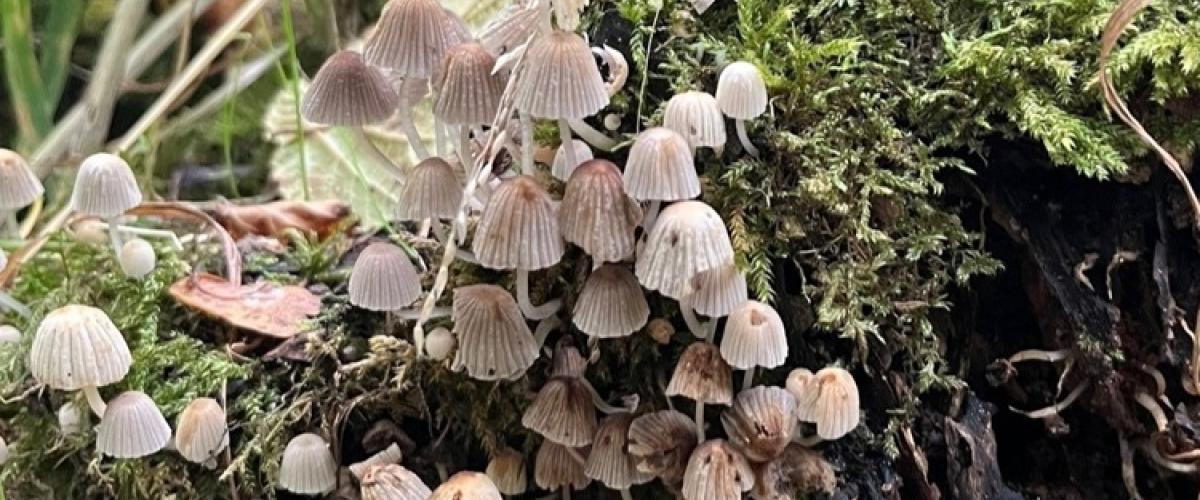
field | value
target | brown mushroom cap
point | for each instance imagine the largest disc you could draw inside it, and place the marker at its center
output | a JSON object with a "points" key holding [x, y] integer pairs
{"points": [[596, 214], [754, 336], [661, 167], [688, 238], [518, 228], [348, 92], [608, 461], [611, 304], [18, 184], [555, 468], [662, 442], [561, 79], [716, 471], [830, 400], [412, 36], [467, 485], [392, 482], [494, 343], [702, 375], [468, 93], [563, 412], [307, 466], [507, 471], [431, 191], [797, 384], [760, 422], [383, 279]]}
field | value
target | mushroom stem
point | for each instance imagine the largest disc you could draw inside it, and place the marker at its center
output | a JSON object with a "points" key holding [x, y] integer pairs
{"points": [[404, 117], [94, 400], [699, 421], [464, 147], [531, 311], [740, 124], [543, 329], [625, 494], [439, 137], [651, 215], [600, 403], [358, 134], [592, 136], [526, 143], [8, 302], [11, 225], [700, 330], [114, 234], [412, 314], [568, 146], [748, 378], [566, 492], [1155, 411]]}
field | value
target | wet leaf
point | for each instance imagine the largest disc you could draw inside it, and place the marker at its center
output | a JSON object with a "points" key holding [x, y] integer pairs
{"points": [[275, 219], [265, 308]]}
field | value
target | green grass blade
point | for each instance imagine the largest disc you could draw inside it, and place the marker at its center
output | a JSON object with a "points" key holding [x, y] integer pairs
{"points": [[293, 63], [58, 33], [21, 72]]}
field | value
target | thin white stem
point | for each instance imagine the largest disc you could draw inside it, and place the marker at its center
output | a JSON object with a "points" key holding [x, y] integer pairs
{"points": [[114, 235], [543, 329], [439, 137], [592, 136], [8, 302], [625, 494], [526, 142], [531, 311], [699, 421], [693, 323], [748, 378], [464, 147], [404, 117], [745, 138], [358, 134], [568, 147], [95, 401], [412, 314]]}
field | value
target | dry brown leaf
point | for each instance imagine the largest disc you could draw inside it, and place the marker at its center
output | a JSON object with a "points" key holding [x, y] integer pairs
{"points": [[274, 219], [268, 309]]}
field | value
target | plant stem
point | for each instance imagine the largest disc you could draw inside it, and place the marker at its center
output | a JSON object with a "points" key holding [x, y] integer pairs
{"points": [[28, 96]]}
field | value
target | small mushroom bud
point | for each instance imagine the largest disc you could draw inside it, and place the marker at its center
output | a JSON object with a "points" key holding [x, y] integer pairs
{"points": [[137, 258], [70, 419], [660, 330], [440, 343], [612, 122]]}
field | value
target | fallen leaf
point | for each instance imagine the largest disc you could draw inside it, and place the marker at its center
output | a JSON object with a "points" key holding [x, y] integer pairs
{"points": [[274, 219], [265, 308]]}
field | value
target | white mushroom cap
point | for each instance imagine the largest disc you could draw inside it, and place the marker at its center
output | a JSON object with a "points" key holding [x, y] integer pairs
{"points": [[518, 228], [608, 461], [660, 167], [596, 214], [439, 343], [717, 292], [132, 427], [507, 470], [468, 92], [137, 258], [697, 117], [308, 467], [797, 384], [431, 191], [688, 238], [555, 468], [701, 375], [754, 336], [105, 187], [18, 184], [467, 485], [383, 279], [716, 471], [393, 482], [9, 334], [560, 168], [494, 343], [512, 26], [390, 455], [70, 418], [78, 346], [662, 442], [611, 304], [760, 422], [412, 36], [562, 412], [561, 79], [201, 432], [830, 400], [348, 92], [741, 92]]}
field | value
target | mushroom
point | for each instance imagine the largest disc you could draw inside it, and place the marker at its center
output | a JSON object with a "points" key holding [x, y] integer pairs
{"points": [[105, 187], [611, 303], [716, 471], [519, 229], [608, 461], [9, 334], [701, 375], [830, 400], [137, 258], [467, 485], [507, 470], [742, 95], [661, 443], [468, 92], [761, 422], [308, 467], [560, 467], [660, 168], [512, 26], [494, 343], [79, 348], [439, 344], [597, 215], [697, 117], [562, 412], [8, 301], [432, 192], [132, 427], [18, 187], [390, 455], [383, 279], [349, 93], [70, 419], [393, 482], [754, 336], [201, 432], [716, 292], [561, 167]]}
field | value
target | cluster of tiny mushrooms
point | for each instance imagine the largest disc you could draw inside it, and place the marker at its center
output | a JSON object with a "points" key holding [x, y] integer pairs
{"points": [[529, 62]]}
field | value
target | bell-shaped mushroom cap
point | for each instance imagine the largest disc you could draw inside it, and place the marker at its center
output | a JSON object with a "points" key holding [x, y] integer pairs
{"points": [[494, 343], [390, 455], [308, 467], [596, 214], [611, 304], [662, 442], [609, 462], [716, 471], [760, 422], [431, 191], [741, 92], [518, 228], [412, 36], [660, 167], [467, 485], [383, 279], [440, 343], [560, 167], [78, 346], [717, 292], [561, 79], [105, 187], [797, 384], [688, 238], [507, 471], [201, 432], [18, 184], [567, 362], [392, 482], [830, 400], [555, 467], [798, 470], [348, 92], [132, 427], [702, 375], [562, 412], [697, 117], [754, 336], [512, 26], [468, 93]]}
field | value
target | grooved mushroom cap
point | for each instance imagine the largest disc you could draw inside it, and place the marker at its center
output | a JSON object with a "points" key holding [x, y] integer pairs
{"points": [[308, 467], [431, 191], [611, 304], [383, 279], [561, 79], [797, 383], [741, 92], [717, 292], [467, 485], [688, 238], [518, 228], [132, 427], [555, 468], [754, 336], [201, 432], [662, 441], [716, 471], [596, 214], [468, 93], [560, 168], [78, 346], [348, 92], [760, 422], [18, 185], [494, 343], [390, 455], [660, 167], [697, 117], [608, 462], [412, 36], [507, 471], [105, 187], [512, 26], [392, 482], [830, 400], [702, 375], [562, 412]]}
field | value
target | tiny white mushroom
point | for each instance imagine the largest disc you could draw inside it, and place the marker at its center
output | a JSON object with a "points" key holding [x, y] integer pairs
{"points": [[137, 258]]}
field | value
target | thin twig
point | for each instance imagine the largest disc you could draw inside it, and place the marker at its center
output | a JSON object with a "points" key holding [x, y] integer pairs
{"points": [[108, 74]]}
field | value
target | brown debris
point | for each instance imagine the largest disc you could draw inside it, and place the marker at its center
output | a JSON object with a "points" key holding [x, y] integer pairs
{"points": [[274, 219], [271, 310]]}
